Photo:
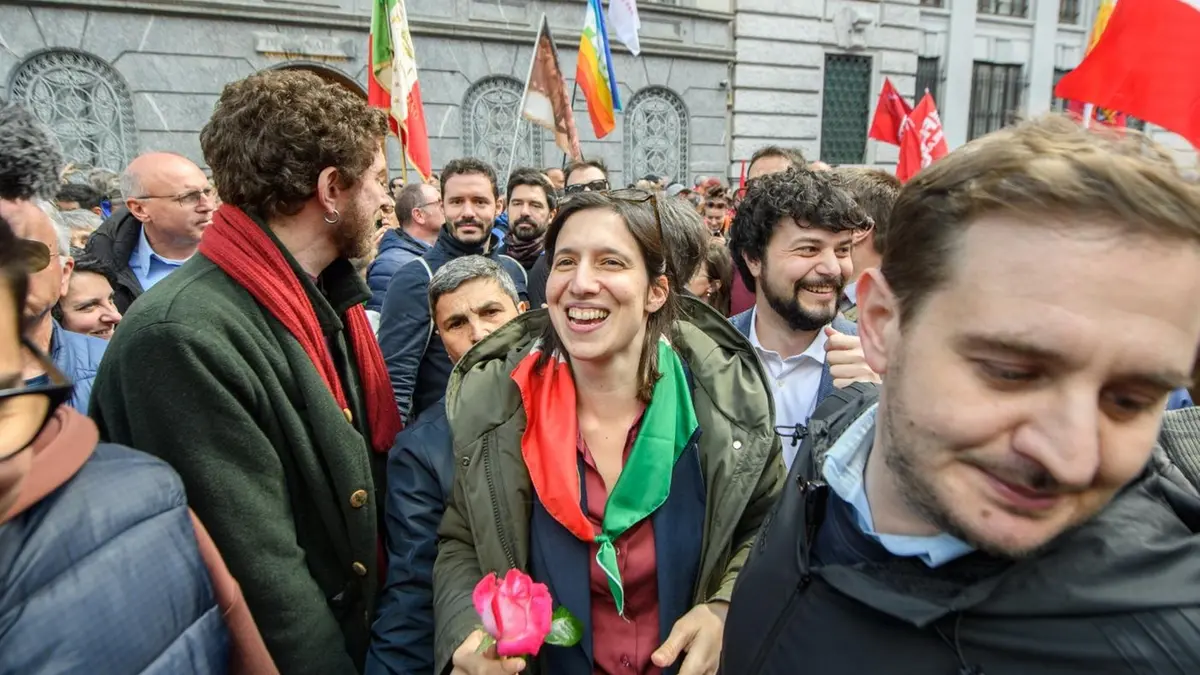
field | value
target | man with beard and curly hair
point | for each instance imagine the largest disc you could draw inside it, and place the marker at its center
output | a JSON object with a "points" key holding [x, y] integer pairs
{"points": [[531, 202], [791, 241], [253, 371]]}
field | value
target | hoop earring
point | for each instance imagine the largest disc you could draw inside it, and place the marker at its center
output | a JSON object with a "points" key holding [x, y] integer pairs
{"points": [[336, 217]]}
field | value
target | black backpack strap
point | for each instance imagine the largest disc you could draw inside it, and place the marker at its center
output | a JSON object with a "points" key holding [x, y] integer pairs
{"points": [[835, 414]]}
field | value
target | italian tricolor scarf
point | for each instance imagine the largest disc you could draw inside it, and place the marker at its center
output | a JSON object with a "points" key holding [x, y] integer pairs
{"points": [[549, 449]]}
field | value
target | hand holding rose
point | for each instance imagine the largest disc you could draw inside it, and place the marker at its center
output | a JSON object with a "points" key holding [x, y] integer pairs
{"points": [[517, 620]]}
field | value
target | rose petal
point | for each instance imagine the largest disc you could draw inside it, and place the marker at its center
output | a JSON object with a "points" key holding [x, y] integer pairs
{"points": [[483, 597], [528, 644]]}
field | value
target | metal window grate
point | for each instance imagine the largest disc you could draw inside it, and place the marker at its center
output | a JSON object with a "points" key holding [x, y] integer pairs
{"points": [[490, 118], [656, 135], [846, 108], [995, 97], [928, 77], [1014, 8], [1068, 12], [933, 3], [84, 102]]}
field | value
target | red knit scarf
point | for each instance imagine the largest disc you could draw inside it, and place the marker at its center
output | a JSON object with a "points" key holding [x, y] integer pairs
{"points": [[241, 248]]}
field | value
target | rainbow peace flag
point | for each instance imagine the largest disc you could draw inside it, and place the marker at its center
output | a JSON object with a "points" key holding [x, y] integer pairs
{"points": [[594, 71]]}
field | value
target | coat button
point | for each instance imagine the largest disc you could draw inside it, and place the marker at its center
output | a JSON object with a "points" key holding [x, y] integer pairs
{"points": [[465, 461], [349, 415], [358, 499], [737, 445], [359, 569]]}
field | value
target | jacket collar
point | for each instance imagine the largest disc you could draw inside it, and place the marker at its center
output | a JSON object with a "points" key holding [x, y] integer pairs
{"points": [[456, 249], [403, 241], [58, 453]]}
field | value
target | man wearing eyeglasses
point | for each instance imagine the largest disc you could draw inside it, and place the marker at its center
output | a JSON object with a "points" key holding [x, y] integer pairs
{"points": [[419, 212], [169, 203]]}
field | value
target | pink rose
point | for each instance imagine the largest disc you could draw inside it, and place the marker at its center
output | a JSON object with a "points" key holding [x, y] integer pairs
{"points": [[516, 612]]}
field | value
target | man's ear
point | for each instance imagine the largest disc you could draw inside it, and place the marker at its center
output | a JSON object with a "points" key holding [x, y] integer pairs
{"points": [[522, 307], [329, 190], [755, 266], [878, 319], [137, 208]]}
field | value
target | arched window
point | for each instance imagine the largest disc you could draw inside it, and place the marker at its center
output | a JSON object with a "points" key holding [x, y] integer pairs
{"points": [[656, 135], [85, 103], [489, 119]]}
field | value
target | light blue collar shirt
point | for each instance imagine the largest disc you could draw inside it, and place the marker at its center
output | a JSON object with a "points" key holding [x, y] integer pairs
{"points": [[148, 266], [844, 470]]}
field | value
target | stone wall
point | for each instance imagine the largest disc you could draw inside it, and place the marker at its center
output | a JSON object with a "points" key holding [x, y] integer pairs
{"points": [[176, 58], [778, 76]]}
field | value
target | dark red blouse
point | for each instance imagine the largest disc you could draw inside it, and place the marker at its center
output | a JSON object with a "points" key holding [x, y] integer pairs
{"points": [[622, 646]]}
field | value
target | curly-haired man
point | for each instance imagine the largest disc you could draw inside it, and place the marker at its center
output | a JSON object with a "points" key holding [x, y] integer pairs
{"points": [[254, 372], [791, 242]]}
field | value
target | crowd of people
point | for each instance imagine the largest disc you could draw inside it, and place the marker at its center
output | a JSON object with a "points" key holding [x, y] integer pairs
{"points": [[284, 416]]}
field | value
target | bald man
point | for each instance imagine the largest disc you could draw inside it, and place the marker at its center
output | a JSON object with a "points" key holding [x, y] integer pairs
{"points": [[169, 202], [50, 265]]}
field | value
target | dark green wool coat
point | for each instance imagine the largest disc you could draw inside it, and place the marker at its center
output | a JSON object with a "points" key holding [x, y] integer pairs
{"points": [[202, 376]]}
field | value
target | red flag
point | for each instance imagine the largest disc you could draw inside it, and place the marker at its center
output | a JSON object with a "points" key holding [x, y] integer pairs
{"points": [[392, 81], [742, 181], [890, 113], [921, 141], [1144, 65]]}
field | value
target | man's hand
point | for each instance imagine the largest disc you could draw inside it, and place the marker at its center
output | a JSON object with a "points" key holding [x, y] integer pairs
{"points": [[699, 633], [847, 364], [468, 662]]}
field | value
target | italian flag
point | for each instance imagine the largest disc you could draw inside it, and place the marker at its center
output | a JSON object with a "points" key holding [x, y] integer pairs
{"points": [[393, 82]]}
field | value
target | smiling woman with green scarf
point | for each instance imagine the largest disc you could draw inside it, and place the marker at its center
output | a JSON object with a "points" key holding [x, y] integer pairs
{"points": [[618, 447]]}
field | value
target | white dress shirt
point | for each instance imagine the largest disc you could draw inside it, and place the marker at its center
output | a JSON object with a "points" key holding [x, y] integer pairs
{"points": [[794, 382]]}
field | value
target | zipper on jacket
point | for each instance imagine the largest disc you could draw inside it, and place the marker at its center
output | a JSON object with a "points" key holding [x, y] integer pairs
{"points": [[491, 481], [773, 635], [813, 493]]}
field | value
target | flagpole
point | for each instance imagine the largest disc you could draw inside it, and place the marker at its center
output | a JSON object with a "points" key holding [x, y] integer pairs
{"points": [[525, 92], [1088, 110], [403, 160], [574, 90]]}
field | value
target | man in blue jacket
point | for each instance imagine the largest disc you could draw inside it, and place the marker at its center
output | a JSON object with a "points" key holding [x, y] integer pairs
{"points": [[417, 363], [469, 298], [419, 211], [75, 354]]}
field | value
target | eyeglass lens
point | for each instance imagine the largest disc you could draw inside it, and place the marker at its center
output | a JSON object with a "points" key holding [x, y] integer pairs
{"points": [[22, 416]]}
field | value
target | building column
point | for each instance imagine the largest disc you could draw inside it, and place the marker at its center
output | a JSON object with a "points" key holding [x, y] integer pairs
{"points": [[1042, 57], [955, 106]]}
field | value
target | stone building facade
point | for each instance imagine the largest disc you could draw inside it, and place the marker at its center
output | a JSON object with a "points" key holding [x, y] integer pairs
{"points": [[114, 81], [716, 78], [808, 72]]}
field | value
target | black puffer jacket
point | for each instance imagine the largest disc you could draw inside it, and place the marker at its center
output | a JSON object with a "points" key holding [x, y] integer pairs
{"points": [[112, 244], [1120, 594]]}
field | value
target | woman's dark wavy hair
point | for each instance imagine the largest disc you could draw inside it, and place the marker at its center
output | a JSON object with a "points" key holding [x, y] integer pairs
{"points": [[14, 268], [814, 198], [639, 218]]}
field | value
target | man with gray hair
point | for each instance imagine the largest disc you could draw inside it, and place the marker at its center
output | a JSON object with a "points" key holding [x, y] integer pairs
{"points": [[169, 202], [469, 298]]}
